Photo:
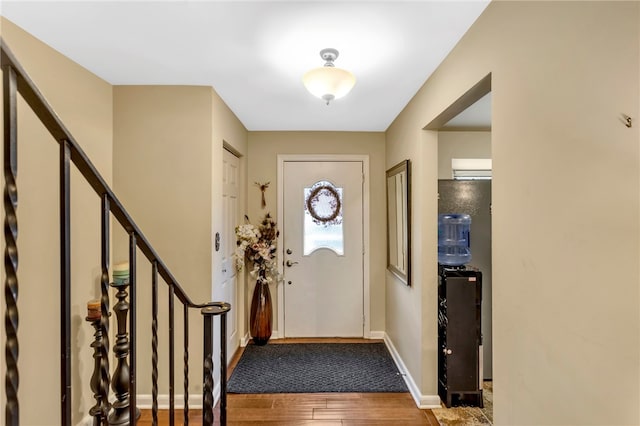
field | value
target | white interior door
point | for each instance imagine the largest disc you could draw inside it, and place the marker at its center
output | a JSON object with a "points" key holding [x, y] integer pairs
{"points": [[230, 192], [323, 248]]}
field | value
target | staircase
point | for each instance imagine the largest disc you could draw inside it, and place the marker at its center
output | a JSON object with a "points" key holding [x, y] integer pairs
{"points": [[119, 407]]}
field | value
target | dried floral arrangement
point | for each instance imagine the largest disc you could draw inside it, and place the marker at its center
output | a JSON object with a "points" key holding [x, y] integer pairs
{"points": [[257, 245]]}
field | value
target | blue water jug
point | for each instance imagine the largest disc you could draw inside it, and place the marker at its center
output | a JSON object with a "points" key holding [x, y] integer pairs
{"points": [[454, 245]]}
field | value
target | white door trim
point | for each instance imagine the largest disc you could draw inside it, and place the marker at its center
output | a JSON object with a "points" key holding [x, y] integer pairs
{"points": [[282, 158]]}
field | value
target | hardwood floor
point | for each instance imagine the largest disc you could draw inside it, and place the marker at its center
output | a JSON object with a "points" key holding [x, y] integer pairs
{"points": [[311, 409]]}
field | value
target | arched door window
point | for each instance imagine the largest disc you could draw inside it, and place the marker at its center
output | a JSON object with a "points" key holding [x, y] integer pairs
{"points": [[323, 218]]}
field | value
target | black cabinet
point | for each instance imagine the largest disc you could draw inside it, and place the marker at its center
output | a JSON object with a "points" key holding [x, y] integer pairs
{"points": [[459, 336]]}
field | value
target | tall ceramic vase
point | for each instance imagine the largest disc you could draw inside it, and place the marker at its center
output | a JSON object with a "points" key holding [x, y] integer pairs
{"points": [[261, 313]]}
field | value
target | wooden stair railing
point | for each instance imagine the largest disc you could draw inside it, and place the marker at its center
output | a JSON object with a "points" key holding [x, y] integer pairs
{"points": [[16, 81]]}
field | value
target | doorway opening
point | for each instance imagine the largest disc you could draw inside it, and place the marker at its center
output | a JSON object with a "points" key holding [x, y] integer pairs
{"points": [[464, 187]]}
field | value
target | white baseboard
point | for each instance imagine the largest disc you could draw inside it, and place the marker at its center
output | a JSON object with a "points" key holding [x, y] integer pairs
{"points": [[376, 335], [244, 341], [195, 400], [422, 401], [429, 401]]}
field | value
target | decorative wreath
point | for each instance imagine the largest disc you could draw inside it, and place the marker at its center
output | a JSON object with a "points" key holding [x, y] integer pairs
{"points": [[334, 203]]}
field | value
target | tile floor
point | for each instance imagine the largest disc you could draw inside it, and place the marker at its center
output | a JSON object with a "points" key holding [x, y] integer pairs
{"points": [[468, 416]]}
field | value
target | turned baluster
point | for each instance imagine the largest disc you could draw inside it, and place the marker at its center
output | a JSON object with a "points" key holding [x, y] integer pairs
{"points": [[94, 316], [120, 380]]}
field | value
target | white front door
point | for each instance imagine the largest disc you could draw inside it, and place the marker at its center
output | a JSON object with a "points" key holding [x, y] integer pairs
{"points": [[230, 191], [323, 248]]}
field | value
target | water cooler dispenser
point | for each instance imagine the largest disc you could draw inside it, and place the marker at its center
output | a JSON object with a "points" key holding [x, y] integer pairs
{"points": [[459, 308]]}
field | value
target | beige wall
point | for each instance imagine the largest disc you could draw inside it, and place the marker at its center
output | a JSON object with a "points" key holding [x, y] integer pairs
{"points": [[84, 103], [168, 143], [264, 148], [461, 144], [228, 132], [162, 173], [565, 203], [162, 166], [411, 311]]}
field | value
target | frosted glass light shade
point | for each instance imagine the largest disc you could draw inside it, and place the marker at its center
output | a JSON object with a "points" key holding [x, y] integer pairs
{"points": [[329, 83]]}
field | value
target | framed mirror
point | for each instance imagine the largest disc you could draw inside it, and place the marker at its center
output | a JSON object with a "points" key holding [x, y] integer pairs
{"points": [[399, 221]]}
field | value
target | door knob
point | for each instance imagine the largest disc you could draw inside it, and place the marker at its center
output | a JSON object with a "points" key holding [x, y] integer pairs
{"points": [[289, 251], [290, 263]]}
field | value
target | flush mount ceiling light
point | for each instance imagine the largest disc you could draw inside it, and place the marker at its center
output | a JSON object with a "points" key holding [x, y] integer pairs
{"points": [[329, 82]]}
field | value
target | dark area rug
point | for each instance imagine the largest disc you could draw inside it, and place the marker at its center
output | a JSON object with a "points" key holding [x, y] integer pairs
{"points": [[316, 367]]}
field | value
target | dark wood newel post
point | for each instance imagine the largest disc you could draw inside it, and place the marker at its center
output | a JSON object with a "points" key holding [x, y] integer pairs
{"points": [[223, 368], [207, 389], [207, 386], [120, 380]]}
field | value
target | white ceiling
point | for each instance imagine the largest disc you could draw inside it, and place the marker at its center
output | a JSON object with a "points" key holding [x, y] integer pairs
{"points": [[255, 53], [476, 117]]}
